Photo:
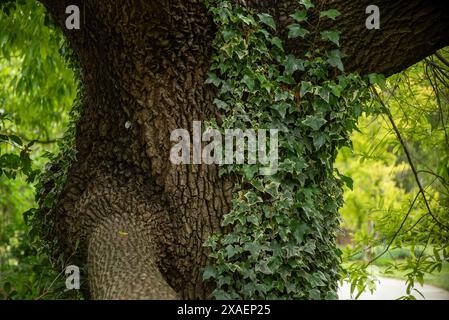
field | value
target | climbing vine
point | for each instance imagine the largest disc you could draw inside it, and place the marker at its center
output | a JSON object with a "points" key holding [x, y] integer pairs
{"points": [[280, 234], [52, 180]]}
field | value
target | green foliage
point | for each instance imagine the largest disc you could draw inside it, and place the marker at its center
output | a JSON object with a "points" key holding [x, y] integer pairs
{"points": [[385, 208], [280, 242], [36, 91], [17, 160]]}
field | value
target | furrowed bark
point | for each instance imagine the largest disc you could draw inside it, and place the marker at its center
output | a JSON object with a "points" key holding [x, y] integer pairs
{"points": [[142, 220]]}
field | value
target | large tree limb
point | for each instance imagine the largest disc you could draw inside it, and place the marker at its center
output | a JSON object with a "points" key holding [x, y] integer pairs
{"points": [[410, 30]]}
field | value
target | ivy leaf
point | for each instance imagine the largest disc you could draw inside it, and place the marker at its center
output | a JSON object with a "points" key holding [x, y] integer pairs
{"points": [[228, 34], [324, 94], [249, 171], [209, 272], [336, 89], [281, 108], [307, 3], [334, 59], [306, 87], [267, 19], [276, 41], [213, 79], [282, 96], [296, 30], [314, 122], [220, 104], [262, 267], [273, 189], [331, 14], [333, 36], [292, 64], [299, 230], [299, 16], [288, 79], [249, 81], [252, 198], [319, 139], [231, 250], [254, 248]]}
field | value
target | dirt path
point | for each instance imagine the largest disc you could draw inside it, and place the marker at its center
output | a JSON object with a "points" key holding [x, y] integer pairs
{"points": [[391, 289]]}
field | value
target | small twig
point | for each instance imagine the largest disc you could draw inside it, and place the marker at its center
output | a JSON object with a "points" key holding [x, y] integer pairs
{"points": [[397, 231], [442, 59]]}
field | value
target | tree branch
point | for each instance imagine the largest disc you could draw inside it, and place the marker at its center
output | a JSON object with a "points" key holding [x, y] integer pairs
{"points": [[409, 158]]}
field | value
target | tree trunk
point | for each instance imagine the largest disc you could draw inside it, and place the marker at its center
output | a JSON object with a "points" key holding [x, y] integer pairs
{"points": [[141, 220]]}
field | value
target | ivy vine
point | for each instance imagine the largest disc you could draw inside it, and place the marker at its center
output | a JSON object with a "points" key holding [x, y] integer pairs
{"points": [[280, 238], [51, 182]]}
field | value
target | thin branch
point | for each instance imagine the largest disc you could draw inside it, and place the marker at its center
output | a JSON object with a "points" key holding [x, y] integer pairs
{"points": [[409, 158], [442, 59], [397, 231]]}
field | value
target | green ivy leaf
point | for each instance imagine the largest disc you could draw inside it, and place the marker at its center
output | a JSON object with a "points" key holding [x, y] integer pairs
{"points": [[333, 36], [273, 189], [347, 181], [307, 3], [331, 14], [292, 64], [306, 87], [319, 139], [249, 81], [299, 230], [276, 41], [231, 250], [334, 59], [209, 272], [249, 171], [213, 79], [314, 122], [281, 108], [267, 19], [220, 104], [299, 16], [297, 31]]}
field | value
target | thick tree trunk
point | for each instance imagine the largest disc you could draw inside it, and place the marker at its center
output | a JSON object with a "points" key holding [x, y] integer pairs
{"points": [[142, 220]]}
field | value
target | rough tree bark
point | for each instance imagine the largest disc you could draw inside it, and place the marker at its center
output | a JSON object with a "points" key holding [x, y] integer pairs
{"points": [[142, 220]]}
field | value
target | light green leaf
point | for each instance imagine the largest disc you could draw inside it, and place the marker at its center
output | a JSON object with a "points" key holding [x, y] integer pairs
{"points": [[267, 19], [296, 30], [282, 108], [299, 16], [307, 3], [331, 14], [333, 36]]}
